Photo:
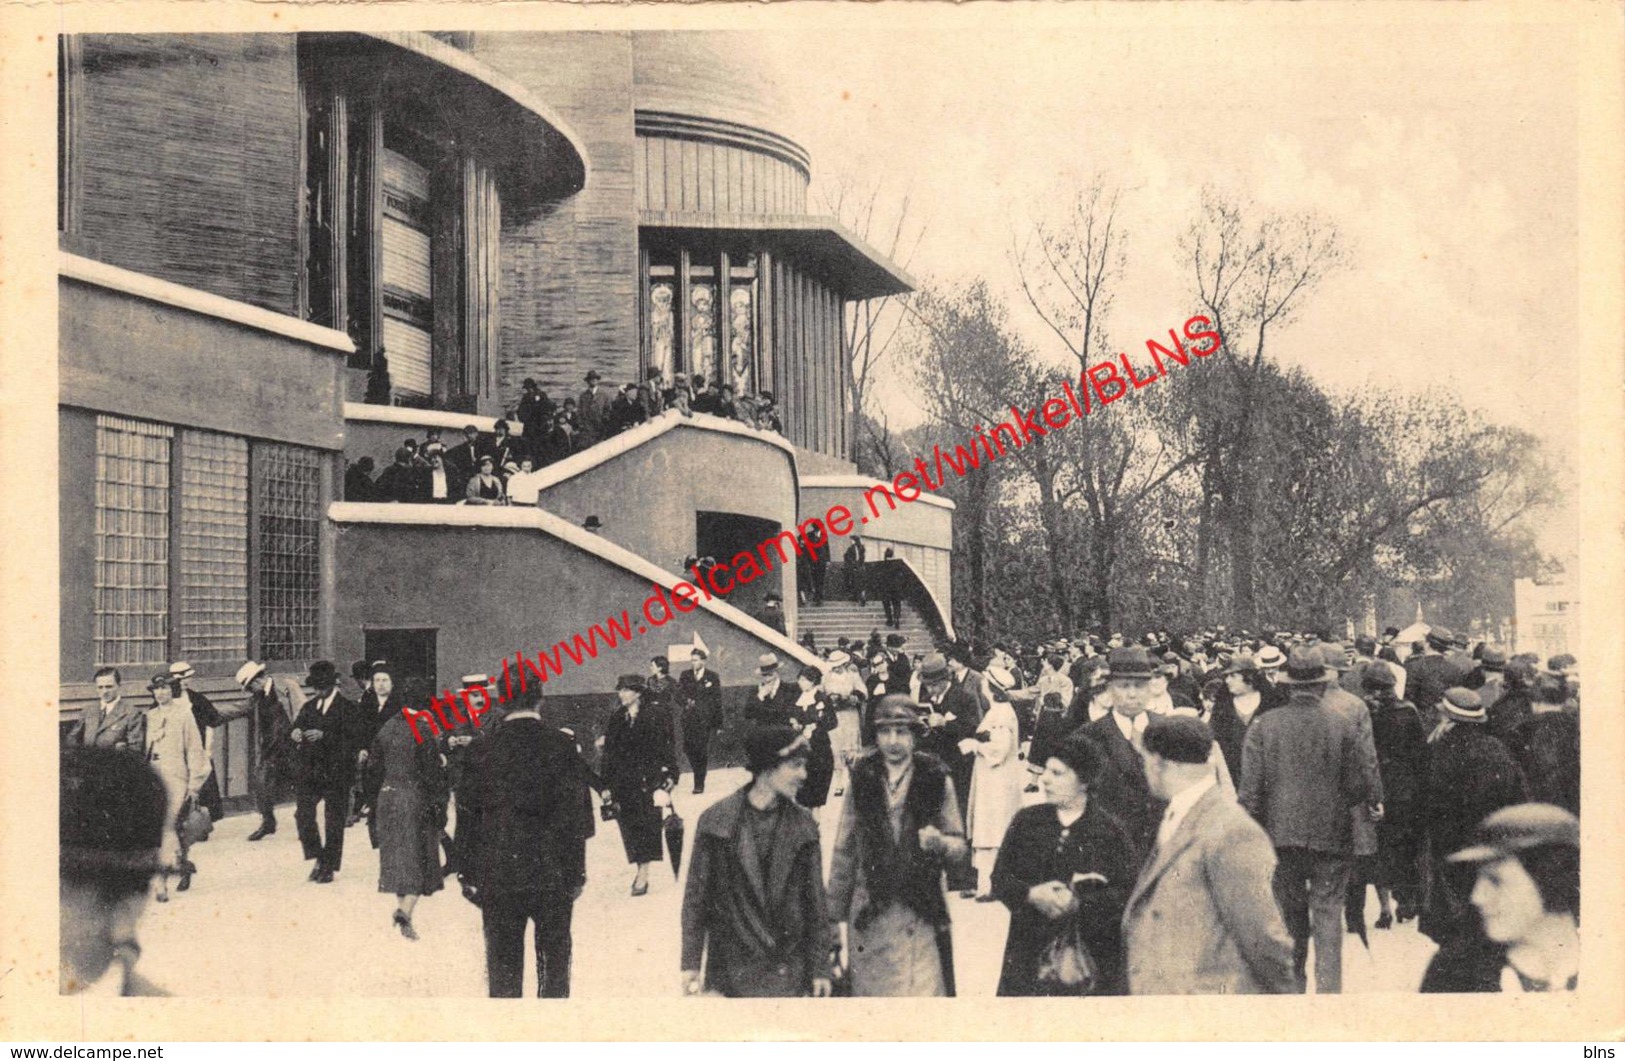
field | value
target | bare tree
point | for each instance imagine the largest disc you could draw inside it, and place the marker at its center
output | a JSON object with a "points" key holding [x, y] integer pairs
{"points": [[1251, 278], [873, 326]]}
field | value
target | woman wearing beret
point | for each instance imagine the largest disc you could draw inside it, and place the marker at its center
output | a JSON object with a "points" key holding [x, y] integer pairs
{"points": [[1065, 862]]}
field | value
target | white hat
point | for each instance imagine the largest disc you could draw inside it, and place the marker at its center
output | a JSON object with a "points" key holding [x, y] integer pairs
{"points": [[248, 672], [471, 680], [1269, 658], [839, 658], [181, 670], [1001, 677]]}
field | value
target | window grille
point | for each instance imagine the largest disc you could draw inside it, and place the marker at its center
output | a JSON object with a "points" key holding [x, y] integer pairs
{"points": [[287, 504], [132, 541], [213, 619]]}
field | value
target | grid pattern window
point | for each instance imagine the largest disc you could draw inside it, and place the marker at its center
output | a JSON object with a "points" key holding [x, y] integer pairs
{"points": [[213, 619], [132, 541], [287, 505]]}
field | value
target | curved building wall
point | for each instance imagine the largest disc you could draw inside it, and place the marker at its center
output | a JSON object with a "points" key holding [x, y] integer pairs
{"points": [[726, 76]]}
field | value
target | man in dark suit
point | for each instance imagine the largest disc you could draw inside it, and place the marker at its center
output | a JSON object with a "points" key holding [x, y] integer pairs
{"points": [[1302, 770], [524, 814], [898, 668], [953, 715], [110, 722], [463, 459], [773, 703], [1428, 675], [404, 481], [592, 408], [327, 734], [273, 704], [1121, 786], [699, 692]]}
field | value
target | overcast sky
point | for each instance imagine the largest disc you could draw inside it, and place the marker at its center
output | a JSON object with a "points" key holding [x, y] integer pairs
{"points": [[1447, 159]]}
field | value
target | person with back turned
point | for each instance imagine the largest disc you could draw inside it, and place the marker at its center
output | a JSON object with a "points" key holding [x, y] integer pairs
{"points": [[113, 814], [523, 818], [1302, 770]]}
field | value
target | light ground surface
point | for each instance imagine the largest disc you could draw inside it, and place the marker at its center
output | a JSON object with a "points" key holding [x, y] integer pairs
{"points": [[253, 926]]}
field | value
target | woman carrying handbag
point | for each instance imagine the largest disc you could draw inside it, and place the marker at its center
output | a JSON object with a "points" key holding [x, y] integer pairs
{"points": [[1065, 870]]}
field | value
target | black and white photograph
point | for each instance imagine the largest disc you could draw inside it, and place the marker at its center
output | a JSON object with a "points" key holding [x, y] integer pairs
{"points": [[821, 503]]}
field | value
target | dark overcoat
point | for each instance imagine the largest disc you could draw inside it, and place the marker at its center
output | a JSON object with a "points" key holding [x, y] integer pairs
{"points": [[1121, 787], [1036, 850], [758, 919], [328, 764]]}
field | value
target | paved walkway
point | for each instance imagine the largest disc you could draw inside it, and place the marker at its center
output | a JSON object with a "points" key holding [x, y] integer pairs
{"points": [[253, 926]]}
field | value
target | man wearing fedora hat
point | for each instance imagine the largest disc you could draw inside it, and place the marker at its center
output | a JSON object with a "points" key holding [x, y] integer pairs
{"points": [[1301, 774], [327, 735], [1428, 674], [774, 702], [273, 704], [1470, 775], [952, 717], [1121, 786]]}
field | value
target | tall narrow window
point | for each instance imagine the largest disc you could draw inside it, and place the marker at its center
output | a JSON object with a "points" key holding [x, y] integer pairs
{"points": [[213, 619], [662, 321], [742, 327], [408, 292], [321, 244], [287, 505], [702, 321], [132, 541]]}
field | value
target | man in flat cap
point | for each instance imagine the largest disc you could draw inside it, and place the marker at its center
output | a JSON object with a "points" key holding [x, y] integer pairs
{"points": [[900, 826], [754, 911], [1202, 918], [1470, 776], [639, 770], [1301, 773], [273, 703], [327, 735]]}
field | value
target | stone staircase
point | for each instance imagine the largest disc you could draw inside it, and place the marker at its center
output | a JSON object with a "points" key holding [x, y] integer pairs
{"points": [[835, 619]]}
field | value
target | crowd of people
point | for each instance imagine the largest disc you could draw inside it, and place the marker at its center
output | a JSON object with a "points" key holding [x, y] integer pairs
{"points": [[503, 467], [1208, 811]]}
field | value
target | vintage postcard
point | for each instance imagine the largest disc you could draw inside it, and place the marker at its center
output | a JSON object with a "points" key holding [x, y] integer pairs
{"points": [[719, 516]]}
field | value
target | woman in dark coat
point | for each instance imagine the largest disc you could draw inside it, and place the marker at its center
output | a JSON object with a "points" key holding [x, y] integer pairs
{"points": [[1037, 875], [1402, 758], [639, 761], [409, 812], [1246, 695], [815, 716]]}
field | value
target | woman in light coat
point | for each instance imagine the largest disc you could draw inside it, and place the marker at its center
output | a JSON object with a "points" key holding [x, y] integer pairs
{"points": [[996, 781], [175, 752]]}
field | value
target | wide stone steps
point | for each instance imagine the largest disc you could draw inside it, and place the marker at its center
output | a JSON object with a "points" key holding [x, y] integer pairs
{"points": [[834, 620]]}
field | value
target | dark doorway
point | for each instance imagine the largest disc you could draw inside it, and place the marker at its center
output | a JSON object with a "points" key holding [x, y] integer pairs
{"points": [[724, 535], [412, 652]]}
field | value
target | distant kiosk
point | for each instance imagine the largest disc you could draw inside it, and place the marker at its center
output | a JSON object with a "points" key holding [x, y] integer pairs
{"points": [[1547, 617]]}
